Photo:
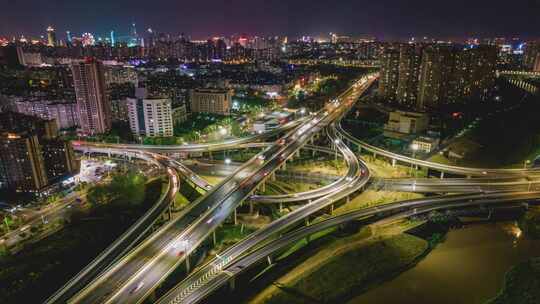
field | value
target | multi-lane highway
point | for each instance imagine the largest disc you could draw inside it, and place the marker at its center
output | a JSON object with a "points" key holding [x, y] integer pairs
{"points": [[133, 277], [199, 283], [370, 215]]}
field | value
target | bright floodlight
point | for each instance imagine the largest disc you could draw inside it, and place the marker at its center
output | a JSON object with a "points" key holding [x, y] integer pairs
{"points": [[227, 161], [336, 141], [223, 131], [414, 147], [302, 111]]}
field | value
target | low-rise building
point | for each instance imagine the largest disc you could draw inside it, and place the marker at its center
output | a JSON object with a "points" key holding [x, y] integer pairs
{"points": [[425, 144], [63, 112], [402, 123], [214, 101]]}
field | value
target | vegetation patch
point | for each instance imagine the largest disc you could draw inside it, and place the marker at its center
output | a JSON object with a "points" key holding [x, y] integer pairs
{"points": [[36, 272], [521, 285], [346, 270]]}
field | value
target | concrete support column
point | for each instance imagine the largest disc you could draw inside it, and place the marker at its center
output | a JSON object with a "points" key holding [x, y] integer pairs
{"points": [[210, 155], [273, 176], [269, 260], [251, 208], [284, 166], [232, 283], [235, 217], [214, 237], [442, 175], [280, 207], [307, 221], [331, 209], [188, 266], [348, 199], [374, 155], [263, 186], [393, 162], [298, 153]]}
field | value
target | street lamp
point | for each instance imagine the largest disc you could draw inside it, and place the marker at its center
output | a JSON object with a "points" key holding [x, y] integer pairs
{"points": [[223, 131], [525, 163], [227, 161]]}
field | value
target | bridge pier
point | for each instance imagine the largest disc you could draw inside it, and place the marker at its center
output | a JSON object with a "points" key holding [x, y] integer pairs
{"points": [[273, 176], [297, 153], [214, 237], [235, 217], [269, 260], [280, 207], [393, 162], [331, 209], [232, 284], [263, 186], [188, 267], [442, 175], [250, 207]]}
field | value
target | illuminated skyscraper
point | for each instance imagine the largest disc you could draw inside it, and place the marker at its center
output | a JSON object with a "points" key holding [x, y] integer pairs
{"points": [[92, 100], [134, 39], [51, 36], [68, 37], [113, 40]]}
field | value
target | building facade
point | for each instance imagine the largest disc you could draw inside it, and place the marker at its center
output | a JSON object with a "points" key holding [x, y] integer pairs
{"points": [[92, 100], [150, 116], [388, 82], [31, 155], [64, 113], [214, 101]]}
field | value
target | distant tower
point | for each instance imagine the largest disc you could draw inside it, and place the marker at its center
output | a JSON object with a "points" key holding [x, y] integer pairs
{"points": [[68, 37], [134, 36], [92, 99], [113, 40], [51, 36]]}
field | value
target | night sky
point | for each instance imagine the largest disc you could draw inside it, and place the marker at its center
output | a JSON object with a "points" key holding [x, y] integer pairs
{"points": [[386, 19]]}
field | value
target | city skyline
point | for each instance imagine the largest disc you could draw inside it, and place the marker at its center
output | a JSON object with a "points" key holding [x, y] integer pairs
{"points": [[385, 19]]}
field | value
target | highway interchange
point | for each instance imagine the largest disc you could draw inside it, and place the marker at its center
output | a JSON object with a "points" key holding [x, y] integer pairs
{"points": [[139, 261]]}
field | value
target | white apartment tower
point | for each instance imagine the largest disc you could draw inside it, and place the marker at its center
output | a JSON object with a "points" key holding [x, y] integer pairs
{"points": [[150, 116]]}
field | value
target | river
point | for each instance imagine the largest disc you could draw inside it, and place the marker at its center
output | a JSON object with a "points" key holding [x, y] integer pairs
{"points": [[468, 267]]}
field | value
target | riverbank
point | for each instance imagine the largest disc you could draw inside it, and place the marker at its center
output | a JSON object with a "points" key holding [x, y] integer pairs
{"points": [[522, 284], [344, 267]]}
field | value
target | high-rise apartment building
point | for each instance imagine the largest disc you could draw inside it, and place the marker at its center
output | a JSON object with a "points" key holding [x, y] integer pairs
{"points": [[388, 82], [92, 99], [475, 71], [31, 155], [410, 58], [21, 162], [150, 116], [215, 101], [435, 85]]}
